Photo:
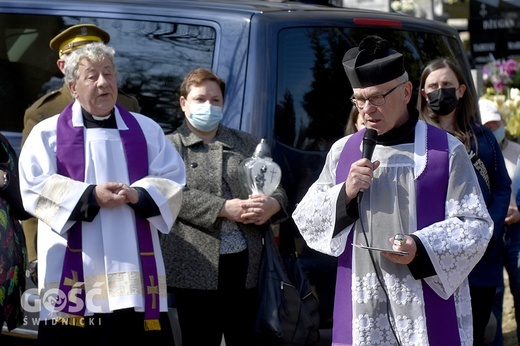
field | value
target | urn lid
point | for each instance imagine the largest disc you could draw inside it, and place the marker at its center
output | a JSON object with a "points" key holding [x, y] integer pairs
{"points": [[262, 149]]}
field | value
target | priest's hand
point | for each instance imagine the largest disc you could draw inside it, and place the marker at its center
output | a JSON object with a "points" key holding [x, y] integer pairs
{"points": [[359, 177], [131, 194], [108, 195], [408, 245]]}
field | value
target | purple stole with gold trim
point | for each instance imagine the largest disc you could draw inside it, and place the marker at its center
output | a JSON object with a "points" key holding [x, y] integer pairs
{"points": [[432, 187], [70, 156]]}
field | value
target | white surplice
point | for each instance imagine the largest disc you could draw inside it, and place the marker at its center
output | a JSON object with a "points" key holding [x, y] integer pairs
{"points": [[388, 207], [111, 262]]}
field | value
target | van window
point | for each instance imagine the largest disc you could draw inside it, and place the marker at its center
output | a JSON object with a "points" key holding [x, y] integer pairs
{"points": [[313, 91], [152, 59]]}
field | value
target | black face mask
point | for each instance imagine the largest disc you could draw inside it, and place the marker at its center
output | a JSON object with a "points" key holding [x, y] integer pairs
{"points": [[443, 100]]}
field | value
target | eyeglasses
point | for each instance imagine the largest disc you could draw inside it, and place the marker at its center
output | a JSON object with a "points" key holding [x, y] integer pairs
{"points": [[377, 100]]}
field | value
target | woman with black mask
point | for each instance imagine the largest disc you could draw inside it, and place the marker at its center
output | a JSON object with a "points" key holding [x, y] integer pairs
{"points": [[446, 102]]}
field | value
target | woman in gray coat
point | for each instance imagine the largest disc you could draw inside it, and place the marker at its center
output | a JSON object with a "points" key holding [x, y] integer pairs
{"points": [[213, 253]]}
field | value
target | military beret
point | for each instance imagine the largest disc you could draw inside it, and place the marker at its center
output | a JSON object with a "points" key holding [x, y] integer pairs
{"points": [[372, 63], [76, 36]]}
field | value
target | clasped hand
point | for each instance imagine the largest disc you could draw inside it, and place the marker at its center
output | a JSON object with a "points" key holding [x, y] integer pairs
{"points": [[110, 195], [256, 209]]}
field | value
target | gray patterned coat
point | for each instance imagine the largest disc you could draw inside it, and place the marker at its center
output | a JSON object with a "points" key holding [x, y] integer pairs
{"points": [[191, 249]]}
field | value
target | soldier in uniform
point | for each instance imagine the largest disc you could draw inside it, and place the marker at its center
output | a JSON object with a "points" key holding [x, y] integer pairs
{"points": [[54, 102]]}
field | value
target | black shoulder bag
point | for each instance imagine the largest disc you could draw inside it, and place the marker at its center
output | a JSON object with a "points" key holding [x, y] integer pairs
{"points": [[288, 311]]}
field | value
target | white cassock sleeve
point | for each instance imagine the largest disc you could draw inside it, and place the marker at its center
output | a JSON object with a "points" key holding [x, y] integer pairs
{"points": [[315, 214]]}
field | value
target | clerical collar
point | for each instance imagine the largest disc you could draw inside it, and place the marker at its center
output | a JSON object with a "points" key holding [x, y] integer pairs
{"points": [[402, 134], [93, 122]]}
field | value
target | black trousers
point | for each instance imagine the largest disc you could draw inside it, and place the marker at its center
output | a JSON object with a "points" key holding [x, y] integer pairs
{"points": [[206, 315], [121, 327], [482, 298]]}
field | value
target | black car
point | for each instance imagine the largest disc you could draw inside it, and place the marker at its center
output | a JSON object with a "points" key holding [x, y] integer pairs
{"points": [[281, 62]]}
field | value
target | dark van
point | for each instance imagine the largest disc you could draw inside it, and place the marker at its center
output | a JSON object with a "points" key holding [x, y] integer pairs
{"points": [[281, 62]]}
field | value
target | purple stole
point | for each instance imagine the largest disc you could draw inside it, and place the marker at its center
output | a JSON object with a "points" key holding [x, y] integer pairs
{"points": [[70, 156], [432, 187]]}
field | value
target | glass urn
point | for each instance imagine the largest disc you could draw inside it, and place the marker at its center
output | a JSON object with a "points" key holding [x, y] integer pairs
{"points": [[259, 174]]}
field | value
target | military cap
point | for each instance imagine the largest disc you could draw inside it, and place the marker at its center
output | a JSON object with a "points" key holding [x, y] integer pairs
{"points": [[372, 63], [76, 36]]}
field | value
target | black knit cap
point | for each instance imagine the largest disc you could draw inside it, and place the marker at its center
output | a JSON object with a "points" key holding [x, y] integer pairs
{"points": [[372, 63]]}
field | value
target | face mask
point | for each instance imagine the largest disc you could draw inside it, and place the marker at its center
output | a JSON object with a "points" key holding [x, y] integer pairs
{"points": [[204, 116], [443, 100], [500, 133]]}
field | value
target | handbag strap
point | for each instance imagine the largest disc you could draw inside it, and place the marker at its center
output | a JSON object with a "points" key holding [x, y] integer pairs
{"points": [[273, 255]]}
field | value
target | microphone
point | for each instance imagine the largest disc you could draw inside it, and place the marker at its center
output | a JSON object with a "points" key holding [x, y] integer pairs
{"points": [[369, 144]]}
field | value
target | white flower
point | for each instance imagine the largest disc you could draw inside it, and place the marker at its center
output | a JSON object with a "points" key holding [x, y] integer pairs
{"points": [[404, 6]]}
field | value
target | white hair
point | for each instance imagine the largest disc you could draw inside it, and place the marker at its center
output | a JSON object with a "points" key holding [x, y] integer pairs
{"points": [[94, 52]]}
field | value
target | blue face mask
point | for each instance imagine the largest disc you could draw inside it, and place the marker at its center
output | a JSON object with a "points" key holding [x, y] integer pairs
{"points": [[500, 133], [204, 116]]}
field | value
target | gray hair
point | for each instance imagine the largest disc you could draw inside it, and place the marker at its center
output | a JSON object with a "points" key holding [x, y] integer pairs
{"points": [[94, 52], [403, 78]]}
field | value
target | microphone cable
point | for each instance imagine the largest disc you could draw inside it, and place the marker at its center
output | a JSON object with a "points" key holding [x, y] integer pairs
{"points": [[391, 319], [369, 144]]}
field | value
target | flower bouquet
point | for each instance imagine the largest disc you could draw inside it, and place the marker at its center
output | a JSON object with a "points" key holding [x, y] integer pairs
{"points": [[502, 81], [501, 75]]}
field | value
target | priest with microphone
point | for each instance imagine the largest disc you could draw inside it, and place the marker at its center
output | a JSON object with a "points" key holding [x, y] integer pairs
{"points": [[400, 206]]}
